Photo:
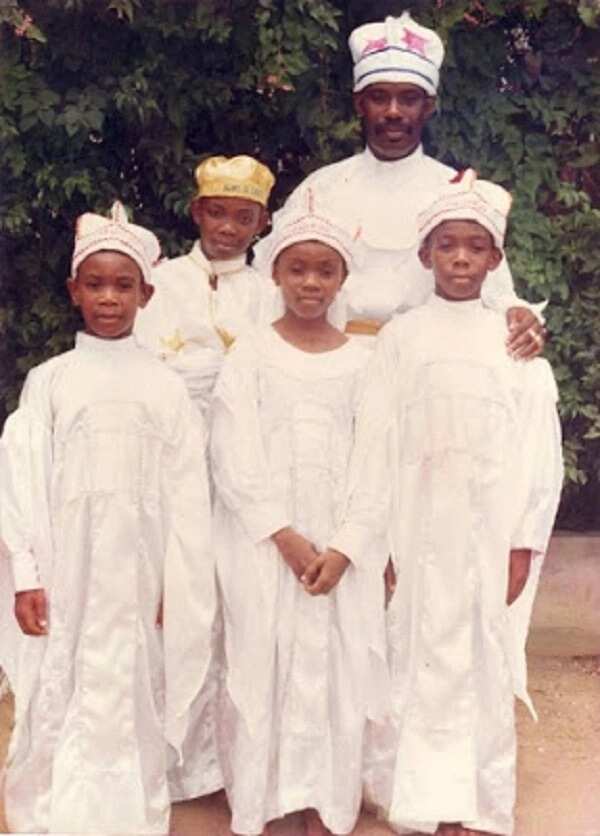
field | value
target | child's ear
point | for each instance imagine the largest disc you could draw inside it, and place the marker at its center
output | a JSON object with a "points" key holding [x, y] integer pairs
{"points": [[263, 220], [73, 289], [496, 256], [425, 255], [195, 211], [147, 292], [274, 273]]}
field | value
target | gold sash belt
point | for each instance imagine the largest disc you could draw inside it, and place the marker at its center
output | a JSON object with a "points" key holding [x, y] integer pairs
{"points": [[366, 327]]}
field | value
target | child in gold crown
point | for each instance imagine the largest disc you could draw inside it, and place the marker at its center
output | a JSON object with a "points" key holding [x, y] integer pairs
{"points": [[204, 299]]}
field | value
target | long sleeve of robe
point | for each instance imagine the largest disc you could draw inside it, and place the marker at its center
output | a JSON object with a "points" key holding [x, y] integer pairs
{"points": [[104, 490]]}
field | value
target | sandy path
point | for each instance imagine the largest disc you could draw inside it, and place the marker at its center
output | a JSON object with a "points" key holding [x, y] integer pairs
{"points": [[559, 760]]}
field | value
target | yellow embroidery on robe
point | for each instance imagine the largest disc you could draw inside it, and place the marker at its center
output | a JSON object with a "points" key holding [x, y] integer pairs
{"points": [[226, 338], [174, 343]]}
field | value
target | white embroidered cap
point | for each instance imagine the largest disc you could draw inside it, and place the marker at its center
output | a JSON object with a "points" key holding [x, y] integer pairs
{"points": [[94, 233], [294, 226], [465, 198], [397, 50]]}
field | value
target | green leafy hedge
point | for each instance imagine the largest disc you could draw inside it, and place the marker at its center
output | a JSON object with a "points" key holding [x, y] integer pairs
{"points": [[107, 98]]}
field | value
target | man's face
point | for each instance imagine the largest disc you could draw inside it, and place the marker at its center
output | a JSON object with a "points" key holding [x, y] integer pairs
{"points": [[393, 115]]}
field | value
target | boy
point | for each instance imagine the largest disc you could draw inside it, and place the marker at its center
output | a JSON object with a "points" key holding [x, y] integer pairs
{"points": [[476, 475], [204, 299], [105, 513]]}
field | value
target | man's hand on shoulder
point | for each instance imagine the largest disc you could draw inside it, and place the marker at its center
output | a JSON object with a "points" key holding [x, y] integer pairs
{"points": [[527, 335]]}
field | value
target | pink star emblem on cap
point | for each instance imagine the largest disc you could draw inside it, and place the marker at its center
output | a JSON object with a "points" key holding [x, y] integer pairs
{"points": [[374, 46], [414, 42]]}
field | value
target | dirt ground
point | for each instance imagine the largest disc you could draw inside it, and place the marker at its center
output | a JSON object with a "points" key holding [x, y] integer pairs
{"points": [[559, 760]]}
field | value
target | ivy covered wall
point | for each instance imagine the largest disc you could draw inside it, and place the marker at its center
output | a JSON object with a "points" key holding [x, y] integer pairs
{"points": [[100, 99]]}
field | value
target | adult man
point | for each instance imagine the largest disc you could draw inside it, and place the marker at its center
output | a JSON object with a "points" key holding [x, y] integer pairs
{"points": [[382, 189]]}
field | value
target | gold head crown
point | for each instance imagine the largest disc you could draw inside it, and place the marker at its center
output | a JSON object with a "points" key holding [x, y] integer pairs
{"points": [[239, 176]]}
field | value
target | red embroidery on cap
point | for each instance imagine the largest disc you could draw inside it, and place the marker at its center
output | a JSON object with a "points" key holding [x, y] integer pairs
{"points": [[374, 46]]}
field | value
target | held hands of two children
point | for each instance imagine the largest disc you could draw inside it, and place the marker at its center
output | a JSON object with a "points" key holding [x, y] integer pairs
{"points": [[324, 572], [518, 572], [31, 611], [319, 573], [296, 550]]}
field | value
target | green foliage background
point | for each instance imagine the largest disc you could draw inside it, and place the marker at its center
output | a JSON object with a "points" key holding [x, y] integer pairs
{"points": [[102, 98]]}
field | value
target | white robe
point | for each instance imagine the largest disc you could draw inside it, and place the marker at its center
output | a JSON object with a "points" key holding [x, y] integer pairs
{"points": [[383, 199], [302, 672], [188, 323], [104, 504], [476, 470]]}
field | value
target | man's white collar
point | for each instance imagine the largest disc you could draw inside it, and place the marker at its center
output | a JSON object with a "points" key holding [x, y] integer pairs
{"points": [[404, 168]]}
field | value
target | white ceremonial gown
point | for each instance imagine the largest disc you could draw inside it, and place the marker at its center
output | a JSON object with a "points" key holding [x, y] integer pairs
{"points": [[303, 672], [104, 504], [476, 471], [383, 200], [190, 324]]}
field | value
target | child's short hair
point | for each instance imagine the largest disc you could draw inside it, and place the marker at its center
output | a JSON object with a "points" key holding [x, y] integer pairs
{"points": [[239, 176], [94, 233], [466, 198]]}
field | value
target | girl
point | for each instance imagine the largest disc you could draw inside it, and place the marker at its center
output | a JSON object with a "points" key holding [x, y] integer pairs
{"points": [[301, 619]]}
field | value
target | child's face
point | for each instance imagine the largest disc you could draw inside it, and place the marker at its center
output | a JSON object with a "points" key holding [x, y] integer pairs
{"points": [[109, 289], [460, 253], [309, 274], [227, 225]]}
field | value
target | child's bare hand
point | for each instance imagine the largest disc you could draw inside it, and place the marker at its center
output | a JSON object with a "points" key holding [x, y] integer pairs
{"points": [[518, 572], [31, 611], [389, 580], [296, 550], [324, 572]]}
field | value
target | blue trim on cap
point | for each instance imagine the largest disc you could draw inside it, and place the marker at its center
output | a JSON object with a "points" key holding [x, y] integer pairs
{"points": [[397, 49], [396, 70]]}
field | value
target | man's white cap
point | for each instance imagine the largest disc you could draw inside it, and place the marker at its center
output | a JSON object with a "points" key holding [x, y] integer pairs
{"points": [[465, 198], [397, 50], [307, 224], [94, 233]]}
